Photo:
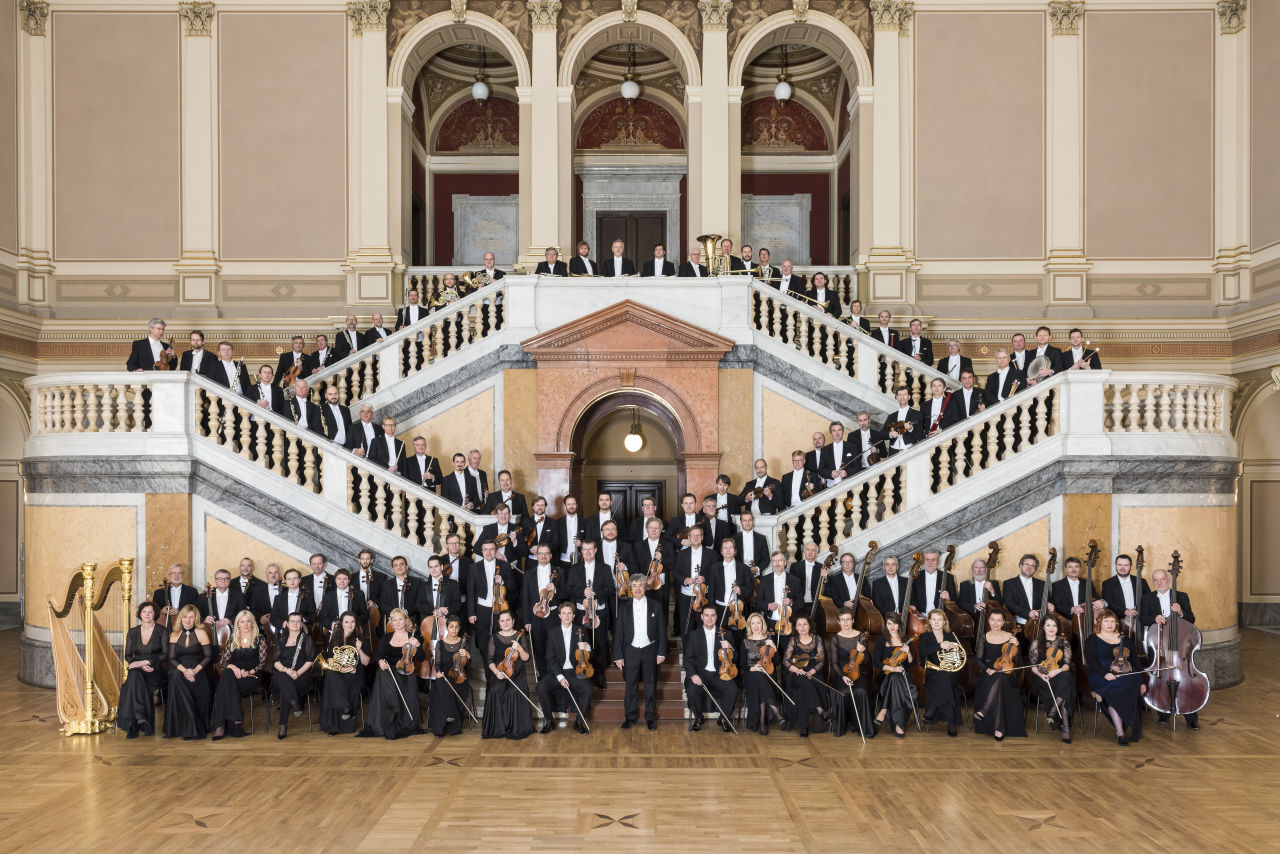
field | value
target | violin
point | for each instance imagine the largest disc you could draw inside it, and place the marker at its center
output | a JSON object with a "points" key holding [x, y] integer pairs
{"points": [[543, 608], [532, 537], [784, 614], [621, 580], [654, 581], [766, 658], [727, 669], [734, 615], [809, 490], [1008, 654], [699, 597], [499, 597], [1120, 662], [165, 359], [897, 658], [582, 665], [508, 663], [458, 673], [407, 653], [852, 669], [502, 540], [1052, 660]]}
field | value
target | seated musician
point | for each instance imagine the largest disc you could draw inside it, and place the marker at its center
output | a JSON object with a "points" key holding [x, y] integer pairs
{"points": [[343, 683], [976, 594], [916, 345], [560, 679], [186, 712], [694, 268], [658, 265], [146, 659], [292, 363], [913, 429], [805, 665], [244, 658], [581, 263], [758, 687], [940, 685], [552, 265], [150, 353], [791, 489], [703, 687], [450, 697], [1054, 680], [394, 711], [1109, 656], [1156, 609], [997, 701], [853, 709], [508, 712], [895, 678]]}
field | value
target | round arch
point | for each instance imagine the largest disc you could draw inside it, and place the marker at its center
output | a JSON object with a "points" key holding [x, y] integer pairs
{"points": [[451, 103], [602, 407], [810, 102], [664, 99], [820, 30], [437, 32], [654, 30], [658, 398]]}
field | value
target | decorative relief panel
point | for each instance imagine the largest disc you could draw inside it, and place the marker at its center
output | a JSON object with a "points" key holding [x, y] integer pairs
{"points": [[638, 126], [854, 14], [780, 223], [512, 14], [485, 224], [73, 289], [474, 128], [1104, 288], [588, 83], [772, 128], [440, 88], [576, 14]]}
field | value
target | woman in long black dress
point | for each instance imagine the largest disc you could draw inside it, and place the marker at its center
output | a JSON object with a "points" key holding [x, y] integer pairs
{"points": [[997, 702], [843, 646], [1121, 695], [394, 711], [292, 678], [190, 653], [506, 713], [895, 680], [805, 662], [243, 658], [758, 688], [450, 699], [1055, 683], [340, 685], [940, 686], [146, 655]]}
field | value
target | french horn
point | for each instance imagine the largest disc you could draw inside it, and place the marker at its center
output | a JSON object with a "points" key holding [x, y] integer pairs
{"points": [[949, 660], [343, 659]]}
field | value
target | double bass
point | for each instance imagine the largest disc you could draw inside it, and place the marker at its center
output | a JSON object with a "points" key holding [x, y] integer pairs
{"points": [[913, 624], [1032, 626], [866, 616], [822, 616], [1131, 624], [1175, 686]]}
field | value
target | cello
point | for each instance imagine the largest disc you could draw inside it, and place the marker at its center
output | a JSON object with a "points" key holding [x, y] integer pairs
{"points": [[822, 616], [1175, 686]]}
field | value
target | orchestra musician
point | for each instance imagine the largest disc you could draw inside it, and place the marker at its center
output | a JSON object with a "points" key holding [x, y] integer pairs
{"points": [[339, 597], [976, 593], [482, 581], [542, 581], [363, 432], [146, 657], [954, 364], [915, 428], [916, 345], [865, 440], [456, 566], [349, 340], [1001, 382], [458, 487], [386, 450], [569, 531], [336, 422], [295, 655], [591, 585], [702, 682], [933, 412], [412, 312], [243, 658], [730, 578], [693, 268], [886, 333], [693, 566], [856, 318], [762, 489], [543, 529], [654, 547], [506, 494], [190, 653], [790, 491], [658, 265], [229, 373], [844, 645], [439, 597], [615, 264], [1055, 684], [1122, 592], [930, 591], [726, 249], [774, 592], [805, 661], [813, 459], [263, 601], [806, 576], [421, 468], [751, 546], [560, 680], [222, 604], [1043, 348], [269, 395], [317, 584], [394, 711], [581, 264], [639, 648], [302, 411], [997, 703], [965, 402], [377, 332], [1066, 595], [717, 530], [1077, 356], [197, 360], [341, 684], [479, 476], [295, 598], [290, 360], [940, 686], [551, 265], [148, 354], [507, 714], [826, 299], [638, 527], [1121, 693], [1156, 608], [895, 683], [840, 458], [320, 358], [491, 269], [614, 551], [514, 549], [889, 591], [400, 591], [790, 281], [758, 688], [449, 703], [768, 272], [175, 596], [593, 524], [1023, 592]]}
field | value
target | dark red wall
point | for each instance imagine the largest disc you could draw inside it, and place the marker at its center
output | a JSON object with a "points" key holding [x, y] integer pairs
{"points": [[818, 187], [446, 185]]}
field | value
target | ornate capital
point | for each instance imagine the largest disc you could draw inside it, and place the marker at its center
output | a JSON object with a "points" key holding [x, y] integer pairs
{"points": [[801, 10], [1231, 15], [34, 14], [715, 14], [543, 13], [1066, 15], [1275, 378], [197, 17], [367, 15], [459, 9], [892, 14], [629, 9]]}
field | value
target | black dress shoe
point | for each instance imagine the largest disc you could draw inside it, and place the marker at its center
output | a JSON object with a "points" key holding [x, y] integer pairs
{"points": [[579, 726], [696, 725], [724, 725], [785, 726], [1193, 721], [804, 732], [628, 723], [652, 725], [545, 729], [132, 732], [1163, 718], [1122, 741], [281, 733], [951, 731]]}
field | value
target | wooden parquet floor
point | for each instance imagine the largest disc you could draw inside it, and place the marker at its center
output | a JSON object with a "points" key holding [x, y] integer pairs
{"points": [[642, 791]]}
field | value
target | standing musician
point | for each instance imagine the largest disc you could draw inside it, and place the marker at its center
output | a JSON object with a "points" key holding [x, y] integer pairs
{"points": [[336, 420], [717, 530], [292, 365], [176, 595], [1051, 353], [247, 583], [1109, 656], [761, 493], [702, 682], [729, 578], [1018, 355], [1122, 592], [758, 687], [892, 658], [552, 265], [363, 432], [685, 521], [638, 526], [693, 566], [455, 564], [997, 702], [813, 459], [953, 364], [317, 583], [543, 531], [1066, 597], [569, 531], [790, 281], [506, 494], [693, 268], [1078, 357], [656, 548], [490, 267], [1155, 610], [295, 654], [934, 410], [150, 353], [591, 585], [940, 684], [222, 604], [450, 697], [930, 591], [400, 591], [422, 468], [615, 264], [342, 684], [1053, 680], [658, 265], [483, 579], [295, 598], [340, 597], [593, 525], [976, 594], [1023, 592], [560, 679], [264, 599], [377, 332], [197, 360], [774, 593], [790, 491], [806, 576], [393, 703], [887, 335], [805, 661], [614, 553], [889, 591], [865, 440], [412, 312], [440, 597], [231, 374], [916, 345], [965, 402], [511, 551], [269, 395], [913, 430], [349, 340], [542, 584], [726, 249], [856, 318], [478, 476], [825, 299], [387, 450], [844, 648], [322, 357], [458, 487], [581, 264], [367, 580], [840, 458], [639, 648], [1003, 381], [752, 547], [508, 711]]}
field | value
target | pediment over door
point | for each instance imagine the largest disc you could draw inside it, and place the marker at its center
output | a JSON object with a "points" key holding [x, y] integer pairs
{"points": [[627, 333]]}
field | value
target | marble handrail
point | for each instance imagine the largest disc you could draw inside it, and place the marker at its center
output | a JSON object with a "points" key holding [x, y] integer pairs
{"points": [[1142, 402], [112, 403]]}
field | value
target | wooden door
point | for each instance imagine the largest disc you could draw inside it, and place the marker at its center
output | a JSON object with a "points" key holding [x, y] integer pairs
{"points": [[627, 495], [639, 230]]}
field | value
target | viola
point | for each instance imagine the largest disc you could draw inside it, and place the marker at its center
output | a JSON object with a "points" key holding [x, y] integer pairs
{"points": [[735, 616], [1120, 662], [499, 597], [458, 673], [582, 665], [897, 658], [621, 580], [1008, 655], [727, 669], [531, 538], [508, 663], [543, 608], [852, 669], [654, 580], [405, 664], [699, 597], [766, 658]]}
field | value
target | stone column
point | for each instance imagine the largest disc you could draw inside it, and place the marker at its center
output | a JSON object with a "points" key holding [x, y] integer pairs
{"points": [[35, 158], [1066, 265], [1232, 282], [369, 268], [541, 201], [720, 201], [198, 266], [890, 265], [564, 157]]}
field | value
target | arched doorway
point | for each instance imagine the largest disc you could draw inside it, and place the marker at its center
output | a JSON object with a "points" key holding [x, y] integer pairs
{"points": [[601, 462]]}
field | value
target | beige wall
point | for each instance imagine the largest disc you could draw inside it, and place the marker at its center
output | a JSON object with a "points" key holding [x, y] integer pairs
{"points": [[786, 427], [520, 428], [1264, 32], [979, 109], [1030, 539], [463, 427], [116, 135], [1263, 503], [735, 426], [224, 546], [283, 145], [59, 539], [1149, 134], [8, 125]]}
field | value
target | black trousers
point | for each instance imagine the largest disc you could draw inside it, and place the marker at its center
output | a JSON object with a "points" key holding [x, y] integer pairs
{"points": [[549, 689], [599, 640], [725, 692], [539, 628], [637, 664], [485, 625]]}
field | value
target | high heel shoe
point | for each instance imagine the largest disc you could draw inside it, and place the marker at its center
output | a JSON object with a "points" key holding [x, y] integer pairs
{"points": [[219, 733], [899, 732], [999, 736], [951, 731], [1122, 741], [283, 730], [132, 732]]}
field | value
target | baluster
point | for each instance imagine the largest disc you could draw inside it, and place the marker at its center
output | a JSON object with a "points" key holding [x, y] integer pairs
{"points": [[293, 457], [1177, 404], [830, 351], [888, 494], [380, 503], [246, 434], [411, 519], [993, 426], [789, 535], [473, 325], [260, 443], [1165, 398], [119, 418], [459, 329], [962, 466], [309, 453], [820, 523], [838, 523], [397, 512], [64, 412], [1202, 410], [1024, 421], [215, 420], [1135, 408], [803, 332], [363, 500], [439, 330], [773, 317]]}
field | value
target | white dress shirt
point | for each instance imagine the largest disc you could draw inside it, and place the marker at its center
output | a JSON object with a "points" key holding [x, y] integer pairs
{"points": [[586, 262], [233, 376], [797, 484], [490, 570], [566, 632], [617, 266], [779, 589], [317, 586], [220, 603], [156, 349], [1126, 588], [730, 579], [1028, 588], [197, 356], [341, 436], [640, 620], [712, 646], [570, 531], [1000, 375]]}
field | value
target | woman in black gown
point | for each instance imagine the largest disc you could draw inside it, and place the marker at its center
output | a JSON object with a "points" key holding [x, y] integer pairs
{"points": [[146, 655], [940, 686], [1056, 684], [758, 688], [340, 687], [450, 700], [506, 713], [243, 658], [1121, 695], [895, 680], [292, 678], [394, 711], [190, 653], [805, 661], [844, 645], [997, 702]]}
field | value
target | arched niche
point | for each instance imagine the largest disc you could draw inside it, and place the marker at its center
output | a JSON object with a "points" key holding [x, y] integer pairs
{"points": [[648, 29]]}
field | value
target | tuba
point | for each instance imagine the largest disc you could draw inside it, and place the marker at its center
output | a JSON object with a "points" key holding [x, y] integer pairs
{"points": [[949, 660], [717, 261]]}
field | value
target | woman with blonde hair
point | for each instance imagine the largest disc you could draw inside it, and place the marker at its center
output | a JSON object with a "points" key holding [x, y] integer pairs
{"points": [[940, 686], [758, 686], [394, 711], [190, 652], [244, 656]]}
